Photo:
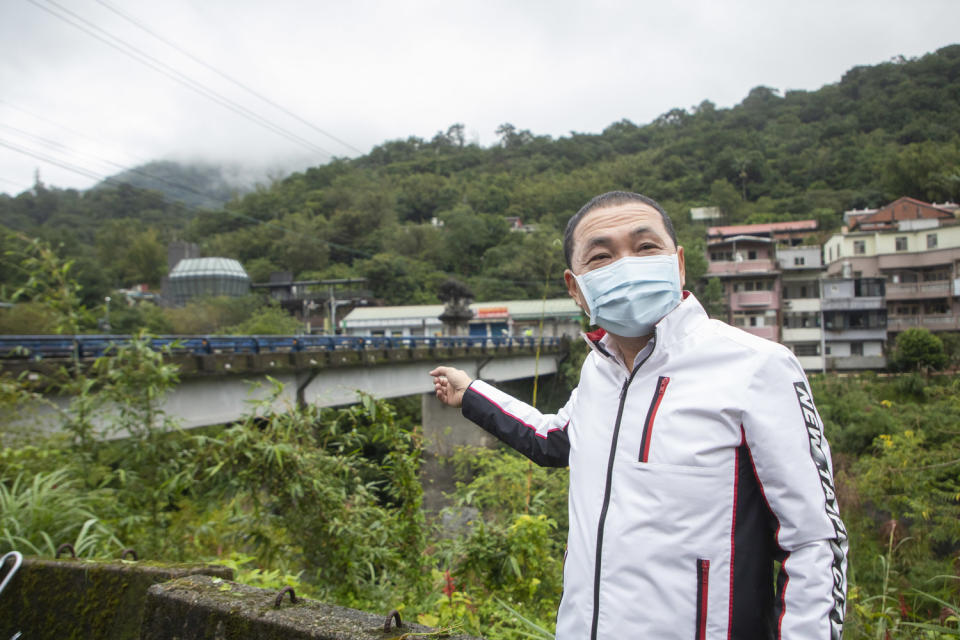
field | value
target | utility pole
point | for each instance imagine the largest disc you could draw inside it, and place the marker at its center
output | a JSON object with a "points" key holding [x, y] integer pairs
{"points": [[333, 311]]}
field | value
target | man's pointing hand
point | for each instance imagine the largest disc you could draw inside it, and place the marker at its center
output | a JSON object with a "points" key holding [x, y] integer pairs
{"points": [[450, 385]]}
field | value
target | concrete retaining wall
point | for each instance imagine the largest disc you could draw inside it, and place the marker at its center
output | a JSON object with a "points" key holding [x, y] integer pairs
{"points": [[205, 608], [116, 600], [85, 599]]}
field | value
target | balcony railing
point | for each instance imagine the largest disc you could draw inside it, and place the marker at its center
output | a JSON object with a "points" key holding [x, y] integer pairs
{"points": [[908, 290], [939, 322], [801, 334], [800, 304], [852, 363], [731, 267], [770, 333], [855, 333], [811, 363], [754, 299], [854, 304]]}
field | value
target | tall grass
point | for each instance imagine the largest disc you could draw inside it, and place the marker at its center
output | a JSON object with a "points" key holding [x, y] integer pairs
{"points": [[39, 513]]}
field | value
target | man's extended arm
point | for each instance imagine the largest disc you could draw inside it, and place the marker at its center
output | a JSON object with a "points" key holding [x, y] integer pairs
{"points": [[792, 462], [541, 437]]}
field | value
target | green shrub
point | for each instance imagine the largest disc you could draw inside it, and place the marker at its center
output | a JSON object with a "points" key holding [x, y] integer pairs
{"points": [[39, 513]]}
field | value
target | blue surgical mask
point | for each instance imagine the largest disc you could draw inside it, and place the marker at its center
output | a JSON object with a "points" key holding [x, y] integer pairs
{"points": [[629, 296]]}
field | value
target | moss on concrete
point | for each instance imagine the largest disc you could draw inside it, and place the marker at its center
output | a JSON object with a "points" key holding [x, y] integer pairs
{"points": [[85, 599], [204, 608]]}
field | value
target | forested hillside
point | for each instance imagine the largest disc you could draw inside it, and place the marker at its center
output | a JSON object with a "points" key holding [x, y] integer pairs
{"points": [[195, 184], [882, 132]]}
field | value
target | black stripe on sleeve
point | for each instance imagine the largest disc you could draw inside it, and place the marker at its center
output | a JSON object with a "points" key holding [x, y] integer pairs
{"points": [[552, 450]]}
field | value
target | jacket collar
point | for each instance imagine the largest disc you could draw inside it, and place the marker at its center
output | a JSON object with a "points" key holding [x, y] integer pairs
{"points": [[673, 327]]}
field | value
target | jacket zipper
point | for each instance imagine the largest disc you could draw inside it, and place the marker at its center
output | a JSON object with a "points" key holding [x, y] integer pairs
{"points": [[606, 492], [703, 590], [662, 383]]}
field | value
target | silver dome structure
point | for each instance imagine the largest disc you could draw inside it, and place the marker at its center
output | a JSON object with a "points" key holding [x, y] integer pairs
{"points": [[195, 277]]}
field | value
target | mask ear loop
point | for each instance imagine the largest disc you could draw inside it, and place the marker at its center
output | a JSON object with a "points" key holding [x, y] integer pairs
{"points": [[588, 310]]}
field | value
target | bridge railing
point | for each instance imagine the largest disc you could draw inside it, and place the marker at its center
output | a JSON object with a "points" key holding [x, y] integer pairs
{"points": [[37, 347]]}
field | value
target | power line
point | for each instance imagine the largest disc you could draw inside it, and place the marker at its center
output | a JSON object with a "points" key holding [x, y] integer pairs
{"points": [[161, 67], [69, 166], [60, 125], [15, 183], [56, 145], [224, 75]]}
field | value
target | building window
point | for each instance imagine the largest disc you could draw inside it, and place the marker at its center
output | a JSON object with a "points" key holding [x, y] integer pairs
{"points": [[751, 255], [856, 348], [931, 241], [807, 349], [798, 261], [801, 320], [721, 256], [935, 276], [869, 288], [859, 247], [901, 243]]}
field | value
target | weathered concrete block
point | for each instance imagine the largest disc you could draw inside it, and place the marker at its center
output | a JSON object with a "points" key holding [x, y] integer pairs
{"points": [[205, 608], [88, 599]]}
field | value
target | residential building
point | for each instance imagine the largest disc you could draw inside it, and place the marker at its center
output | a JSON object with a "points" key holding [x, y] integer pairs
{"points": [[914, 248], [800, 316], [744, 257], [854, 323]]}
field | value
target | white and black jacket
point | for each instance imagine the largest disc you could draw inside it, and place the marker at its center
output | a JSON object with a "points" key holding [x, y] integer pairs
{"points": [[689, 475]]}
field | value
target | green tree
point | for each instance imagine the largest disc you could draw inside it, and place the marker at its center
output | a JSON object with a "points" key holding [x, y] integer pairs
{"points": [[49, 283], [916, 349], [145, 259], [400, 280], [467, 236], [269, 320], [713, 299]]}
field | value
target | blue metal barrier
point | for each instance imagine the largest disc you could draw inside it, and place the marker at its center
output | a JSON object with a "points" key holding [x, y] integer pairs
{"points": [[94, 346]]}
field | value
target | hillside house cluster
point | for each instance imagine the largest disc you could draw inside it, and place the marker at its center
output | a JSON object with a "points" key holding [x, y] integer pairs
{"points": [[840, 306]]}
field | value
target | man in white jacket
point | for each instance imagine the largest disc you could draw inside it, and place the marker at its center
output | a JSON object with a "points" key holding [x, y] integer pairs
{"points": [[697, 458]]}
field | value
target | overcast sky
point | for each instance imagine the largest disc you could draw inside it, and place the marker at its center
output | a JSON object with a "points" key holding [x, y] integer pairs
{"points": [[366, 71]]}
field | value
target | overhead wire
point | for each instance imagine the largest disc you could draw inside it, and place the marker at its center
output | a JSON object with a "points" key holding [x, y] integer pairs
{"points": [[135, 170], [54, 161], [54, 145], [86, 172], [60, 125], [15, 183], [159, 66], [224, 75]]}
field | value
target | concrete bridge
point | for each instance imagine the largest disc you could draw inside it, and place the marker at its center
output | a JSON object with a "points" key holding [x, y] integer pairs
{"points": [[221, 376]]}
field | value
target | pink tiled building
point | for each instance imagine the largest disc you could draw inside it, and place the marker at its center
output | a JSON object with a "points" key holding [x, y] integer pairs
{"points": [[744, 257]]}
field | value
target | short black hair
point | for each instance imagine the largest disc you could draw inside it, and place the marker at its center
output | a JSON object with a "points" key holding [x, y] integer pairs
{"points": [[611, 199]]}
